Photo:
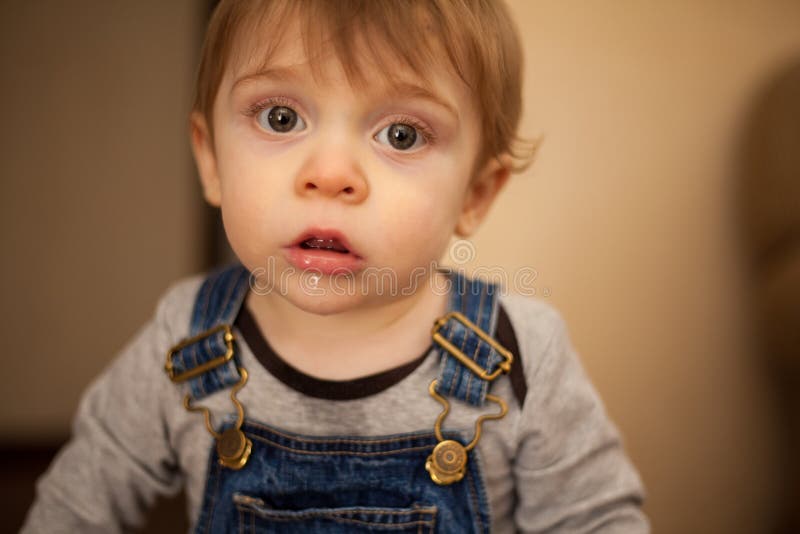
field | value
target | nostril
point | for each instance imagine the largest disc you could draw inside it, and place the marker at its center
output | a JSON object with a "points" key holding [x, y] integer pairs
{"points": [[310, 186], [349, 190]]}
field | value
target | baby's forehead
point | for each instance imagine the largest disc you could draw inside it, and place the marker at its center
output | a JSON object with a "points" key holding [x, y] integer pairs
{"points": [[327, 71], [368, 58]]}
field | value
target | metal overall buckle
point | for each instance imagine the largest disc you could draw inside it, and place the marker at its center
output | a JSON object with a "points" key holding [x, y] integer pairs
{"points": [[207, 366], [502, 367], [233, 446], [447, 463]]}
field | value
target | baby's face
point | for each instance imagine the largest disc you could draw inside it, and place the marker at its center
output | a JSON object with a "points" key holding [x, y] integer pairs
{"points": [[317, 176]]}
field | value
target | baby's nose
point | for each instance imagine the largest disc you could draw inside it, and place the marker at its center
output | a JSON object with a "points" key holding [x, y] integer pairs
{"points": [[338, 177]]}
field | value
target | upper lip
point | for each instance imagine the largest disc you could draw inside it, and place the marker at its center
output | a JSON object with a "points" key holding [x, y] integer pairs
{"points": [[324, 233]]}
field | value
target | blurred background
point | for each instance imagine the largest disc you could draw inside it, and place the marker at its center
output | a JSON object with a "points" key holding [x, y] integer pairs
{"points": [[662, 217]]}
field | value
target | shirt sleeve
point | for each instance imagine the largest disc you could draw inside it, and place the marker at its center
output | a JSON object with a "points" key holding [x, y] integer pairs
{"points": [[118, 459], [571, 471]]}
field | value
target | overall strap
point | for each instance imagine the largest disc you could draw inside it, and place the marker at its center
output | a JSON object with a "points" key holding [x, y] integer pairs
{"points": [[470, 358], [208, 359]]}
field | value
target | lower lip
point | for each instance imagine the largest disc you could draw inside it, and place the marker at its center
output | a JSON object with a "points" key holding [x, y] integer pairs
{"points": [[323, 261]]}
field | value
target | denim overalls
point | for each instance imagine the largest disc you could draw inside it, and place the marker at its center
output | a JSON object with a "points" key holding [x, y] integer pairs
{"points": [[263, 479]]}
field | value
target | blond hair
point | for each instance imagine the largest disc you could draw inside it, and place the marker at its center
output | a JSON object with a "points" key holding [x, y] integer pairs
{"points": [[476, 37]]}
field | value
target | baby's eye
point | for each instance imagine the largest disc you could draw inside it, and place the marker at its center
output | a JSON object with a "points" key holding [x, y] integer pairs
{"points": [[280, 119], [400, 136]]}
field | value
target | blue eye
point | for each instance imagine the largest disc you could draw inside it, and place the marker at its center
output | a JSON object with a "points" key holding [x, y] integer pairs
{"points": [[280, 119]]}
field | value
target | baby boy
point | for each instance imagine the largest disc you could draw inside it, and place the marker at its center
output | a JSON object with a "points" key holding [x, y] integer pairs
{"points": [[335, 379]]}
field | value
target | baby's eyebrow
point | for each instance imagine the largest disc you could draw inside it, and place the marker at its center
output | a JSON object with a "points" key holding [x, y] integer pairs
{"points": [[396, 89], [410, 90], [281, 74]]}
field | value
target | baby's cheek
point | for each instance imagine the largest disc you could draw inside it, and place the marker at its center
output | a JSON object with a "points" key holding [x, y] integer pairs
{"points": [[427, 234]]}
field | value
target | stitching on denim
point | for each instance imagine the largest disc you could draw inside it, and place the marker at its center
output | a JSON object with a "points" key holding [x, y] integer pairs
{"points": [[233, 284], [357, 510], [473, 498], [457, 364], [199, 381], [212, 503], [481, 314], [225, 303], [339, 453], [450, 334], [495, 311], [477, 345], [337, 441], [457, 294], [480, 488], [195, 355], [206, 302], [202, 382], [197, 324], [469, 385], [462, 296], [433, 519], [428, 510], [218, 475], [336, 516], [295, 518], [481, 343], [359, 522]]}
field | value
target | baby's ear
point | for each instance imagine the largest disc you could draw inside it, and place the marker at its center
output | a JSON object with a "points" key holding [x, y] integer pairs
{"points": [[481, 193], [205, 158]]}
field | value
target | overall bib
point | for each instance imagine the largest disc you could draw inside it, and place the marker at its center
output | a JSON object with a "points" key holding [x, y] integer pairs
{"points": [[265, 480]]}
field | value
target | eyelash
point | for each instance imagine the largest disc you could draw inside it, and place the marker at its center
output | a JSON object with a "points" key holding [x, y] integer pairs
{"points": [[421, 127], [427, 133], [258, 107]]}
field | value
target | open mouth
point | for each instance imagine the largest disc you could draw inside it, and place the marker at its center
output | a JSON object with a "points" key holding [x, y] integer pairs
{"points": [[324, 243], [325, 251], [324, 240]]}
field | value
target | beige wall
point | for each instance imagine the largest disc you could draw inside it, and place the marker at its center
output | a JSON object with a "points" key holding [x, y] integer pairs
{"points": [[100, 208], [628, 216]]}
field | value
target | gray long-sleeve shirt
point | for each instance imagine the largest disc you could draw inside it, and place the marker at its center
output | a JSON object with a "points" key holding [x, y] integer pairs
{"points": [[554, 465]]}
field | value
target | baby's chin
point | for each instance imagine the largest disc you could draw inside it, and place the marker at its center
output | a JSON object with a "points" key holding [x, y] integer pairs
{"points": [[329, 297]]}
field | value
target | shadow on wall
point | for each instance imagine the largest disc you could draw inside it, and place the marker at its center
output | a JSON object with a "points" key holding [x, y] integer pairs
{"points": [[769, 213]]}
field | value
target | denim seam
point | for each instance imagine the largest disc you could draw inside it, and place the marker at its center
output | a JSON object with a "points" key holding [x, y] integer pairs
{"points": [[339, 453], [212, 504], [200, 323], [373, 523], [234, 283], [473, 498], [206, 303], [457, 372], [480, 488], [328, 441], [478, 344], [218, 478], [430, 511], [420, 522], [227, 310], [199, 380], [253, 514]]}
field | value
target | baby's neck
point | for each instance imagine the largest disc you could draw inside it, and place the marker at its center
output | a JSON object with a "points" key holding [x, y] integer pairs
{"points": [[351, 344]]}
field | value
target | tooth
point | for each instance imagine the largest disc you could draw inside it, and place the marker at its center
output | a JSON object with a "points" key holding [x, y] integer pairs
{"points": [[325, 244]]}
